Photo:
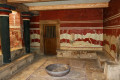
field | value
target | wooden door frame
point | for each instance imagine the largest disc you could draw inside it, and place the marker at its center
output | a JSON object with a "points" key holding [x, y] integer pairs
{"points": [[57, 24]]}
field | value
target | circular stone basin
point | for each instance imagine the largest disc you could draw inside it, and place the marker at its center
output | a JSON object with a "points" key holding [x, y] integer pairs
{"points": [[58, 70]]}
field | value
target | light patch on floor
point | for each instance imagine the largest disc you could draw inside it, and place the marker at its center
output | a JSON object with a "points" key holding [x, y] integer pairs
{"points": [[81, 69]]}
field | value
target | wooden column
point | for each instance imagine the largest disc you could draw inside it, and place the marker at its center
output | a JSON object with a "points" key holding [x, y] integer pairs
{"points": [[26, 24], [4, 31]]}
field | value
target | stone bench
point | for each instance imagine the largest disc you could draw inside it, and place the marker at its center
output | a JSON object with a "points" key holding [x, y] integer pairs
{"points": [[83, 54], [9, 69]]}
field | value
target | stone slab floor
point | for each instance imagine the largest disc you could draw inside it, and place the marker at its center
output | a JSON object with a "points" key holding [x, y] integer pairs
{"points": [[81, 69]]}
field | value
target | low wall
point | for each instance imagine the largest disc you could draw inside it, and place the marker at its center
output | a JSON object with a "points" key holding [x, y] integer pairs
{"points": [[17, 53], [9, 69]]}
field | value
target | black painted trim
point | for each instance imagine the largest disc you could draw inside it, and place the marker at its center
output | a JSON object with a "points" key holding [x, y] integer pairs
{"points": [[3, 10], [29, 13], [7, 6], [26, 16]]}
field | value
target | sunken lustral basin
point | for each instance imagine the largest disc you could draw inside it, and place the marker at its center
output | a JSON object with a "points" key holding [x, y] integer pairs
{"points": [[57, 70]]}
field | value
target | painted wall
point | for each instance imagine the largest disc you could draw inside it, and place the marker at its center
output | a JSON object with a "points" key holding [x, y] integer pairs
{"points": [[80, 29], [35, 34], [16, 35], [15, 27], [112, 28], [15, 30]]}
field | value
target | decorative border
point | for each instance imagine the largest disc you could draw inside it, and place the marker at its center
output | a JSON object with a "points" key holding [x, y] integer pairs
{"points": [[92, 21], [112, 27], [68, 28], [5, 10], [61, 22], [34, 28], [26, 19], [7, 6], [4, 15], [112, 17]]}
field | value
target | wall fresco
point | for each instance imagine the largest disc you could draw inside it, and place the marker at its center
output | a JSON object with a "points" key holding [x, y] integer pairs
{"points": [[71, 38], [35, 32], [112, 29], [15, 30], [79, 28]]}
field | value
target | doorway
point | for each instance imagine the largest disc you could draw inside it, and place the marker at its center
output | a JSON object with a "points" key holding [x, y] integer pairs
{"points": [[49, 39], [49, 36]]}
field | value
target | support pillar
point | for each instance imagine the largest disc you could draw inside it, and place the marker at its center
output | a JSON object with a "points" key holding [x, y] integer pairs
{"points": [[4, 31], [26, 24]]}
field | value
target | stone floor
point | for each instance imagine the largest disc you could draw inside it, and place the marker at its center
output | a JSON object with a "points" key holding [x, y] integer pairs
{"points": [[81, 69]]}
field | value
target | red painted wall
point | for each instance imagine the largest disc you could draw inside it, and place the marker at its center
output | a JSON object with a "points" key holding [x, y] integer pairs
{"points": [[112, 28], [35, 31], [75, 23]]}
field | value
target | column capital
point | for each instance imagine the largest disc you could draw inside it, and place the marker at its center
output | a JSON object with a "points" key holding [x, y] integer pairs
{"points": [[26, 15], [6, 9]]}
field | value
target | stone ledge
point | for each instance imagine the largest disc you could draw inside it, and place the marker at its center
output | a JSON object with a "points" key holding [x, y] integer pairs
{"points": [[14, 49], [77, 50], [9, 69], [77, 54]]}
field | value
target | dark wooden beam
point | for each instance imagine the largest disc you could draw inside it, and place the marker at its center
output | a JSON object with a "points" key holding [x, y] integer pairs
{"points": [[20, 7]]}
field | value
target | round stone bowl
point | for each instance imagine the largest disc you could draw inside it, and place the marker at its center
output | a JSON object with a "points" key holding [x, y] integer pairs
{"points": [[57, 70]]}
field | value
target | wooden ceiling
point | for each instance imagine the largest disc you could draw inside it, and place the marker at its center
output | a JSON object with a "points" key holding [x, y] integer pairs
{"points": [[69, 6], [37, 5]]}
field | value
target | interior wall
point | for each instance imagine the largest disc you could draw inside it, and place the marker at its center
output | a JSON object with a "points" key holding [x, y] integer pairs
{"points": [[15, 27], [35, 34], [16, 35], [80, 29], [112, 28]]}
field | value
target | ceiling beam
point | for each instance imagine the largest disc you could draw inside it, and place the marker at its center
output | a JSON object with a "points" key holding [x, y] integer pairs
{"points": [[69, 6], [29, 1]]}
